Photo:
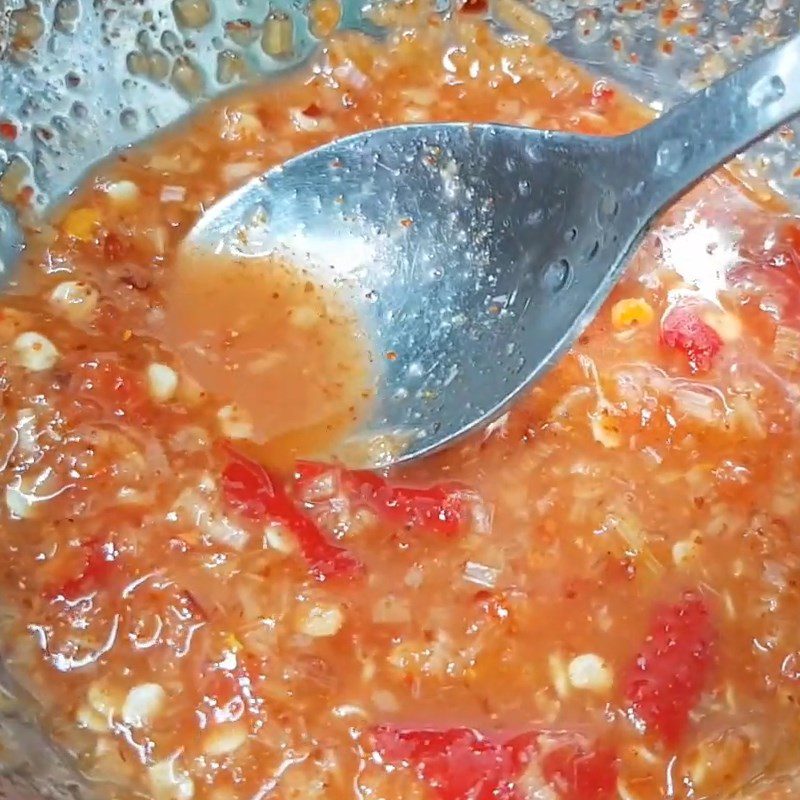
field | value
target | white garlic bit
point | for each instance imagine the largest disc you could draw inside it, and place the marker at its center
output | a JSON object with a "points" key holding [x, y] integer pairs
{"points": [[168, 782], [234, 422], [34, 352], [75, 300], [123, 194], [589, 672], [143, 704], [319, 619], [162, 382], [224, 739]]}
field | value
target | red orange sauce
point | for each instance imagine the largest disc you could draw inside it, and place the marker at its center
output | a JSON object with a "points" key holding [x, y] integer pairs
{"points": [[595, 598]]}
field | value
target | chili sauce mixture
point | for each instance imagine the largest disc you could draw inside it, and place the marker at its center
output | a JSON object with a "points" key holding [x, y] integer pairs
{"points": [[595, 598]]}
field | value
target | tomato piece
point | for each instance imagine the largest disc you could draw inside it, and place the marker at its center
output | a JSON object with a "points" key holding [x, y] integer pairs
{"points": [[683, 329], [463, 764], [458, 763], [669, 673], [102, 386], [439, 509], [99, 566], [580, 772], [250, 490]]}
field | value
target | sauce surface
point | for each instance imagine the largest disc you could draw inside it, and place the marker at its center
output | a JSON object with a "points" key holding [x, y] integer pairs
{"points": [[285, 350], [595, 598]]}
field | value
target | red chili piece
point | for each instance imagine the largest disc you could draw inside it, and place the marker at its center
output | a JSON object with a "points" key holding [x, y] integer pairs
{"points": [[439, 509], [602, 94], [475, 6], [669, 674], [462, 764], [98, 567], [253, 492], [8, 130], [683, 329]]}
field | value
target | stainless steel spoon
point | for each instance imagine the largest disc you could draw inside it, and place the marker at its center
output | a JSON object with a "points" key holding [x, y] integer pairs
{"points": [[478, 253]]}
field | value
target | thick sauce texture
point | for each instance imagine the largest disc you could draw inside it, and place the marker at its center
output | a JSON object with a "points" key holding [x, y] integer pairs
{"points": [[595, 598]]}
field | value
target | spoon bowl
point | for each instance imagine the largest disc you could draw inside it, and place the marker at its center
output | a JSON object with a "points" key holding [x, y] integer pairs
{"points": [[476, 254]]}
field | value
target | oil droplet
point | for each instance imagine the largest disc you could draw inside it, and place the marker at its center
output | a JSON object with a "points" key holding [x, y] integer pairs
{"points": [[66, 15], [28, 27], [241, 31], [231, 67], [192, 13], [277, 39], [323, 17], [187, 78], [137, 63]]}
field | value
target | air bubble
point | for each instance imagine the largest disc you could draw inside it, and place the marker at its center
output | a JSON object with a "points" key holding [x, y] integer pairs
{"points": [[372, 296], [524, 188]]}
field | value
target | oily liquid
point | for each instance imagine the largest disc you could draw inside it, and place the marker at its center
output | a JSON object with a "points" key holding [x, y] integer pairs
{"points": [[262, 334]]}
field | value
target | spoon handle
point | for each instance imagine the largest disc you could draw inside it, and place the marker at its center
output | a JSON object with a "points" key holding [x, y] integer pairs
{"points": [[718, 122]]}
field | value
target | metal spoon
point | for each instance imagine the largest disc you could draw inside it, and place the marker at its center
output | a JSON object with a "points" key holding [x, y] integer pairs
{"points": [[478, 253]]}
